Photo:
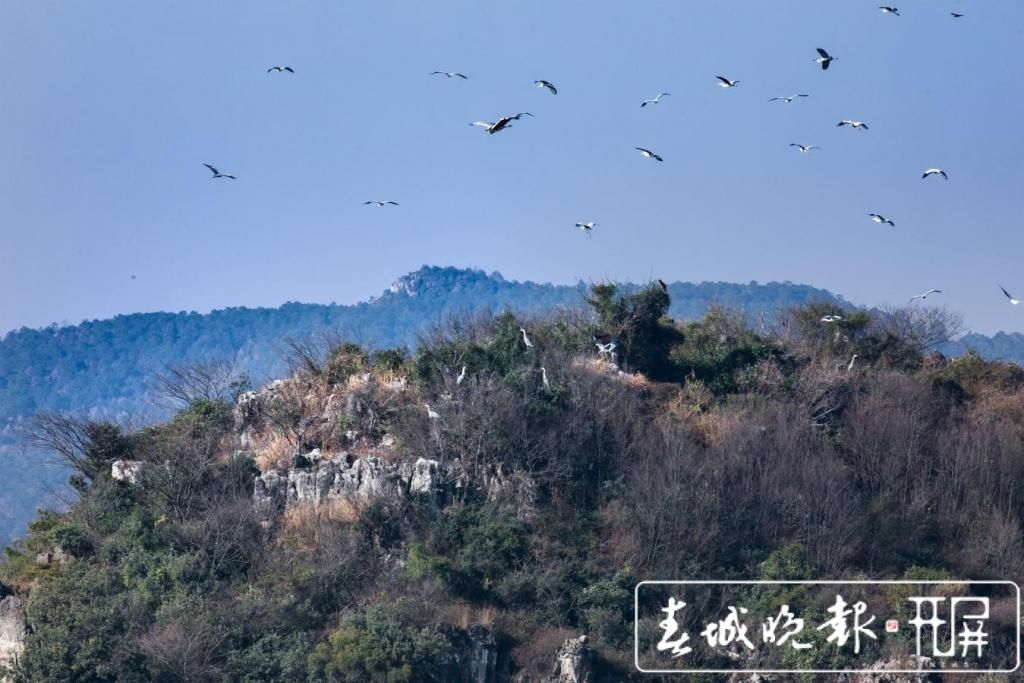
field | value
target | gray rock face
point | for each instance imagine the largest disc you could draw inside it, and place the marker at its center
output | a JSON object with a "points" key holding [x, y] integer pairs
{"points": [[314, 479], [12, 631], [126, 470], [575, 662], [482, 664]]}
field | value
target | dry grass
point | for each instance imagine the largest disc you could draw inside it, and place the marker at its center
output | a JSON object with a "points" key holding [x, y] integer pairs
{"points": [[274, 453]]}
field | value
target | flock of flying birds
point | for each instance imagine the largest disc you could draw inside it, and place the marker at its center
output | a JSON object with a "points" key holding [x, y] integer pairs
{"points": [[824, 60]]}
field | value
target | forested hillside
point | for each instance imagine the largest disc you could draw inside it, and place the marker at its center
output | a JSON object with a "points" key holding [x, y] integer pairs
{"points": [[107, 368], [469, 509]]}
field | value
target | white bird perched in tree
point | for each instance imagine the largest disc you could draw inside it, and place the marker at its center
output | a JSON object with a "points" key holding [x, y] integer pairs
{"points": [[526, 340], [432, 414], [925, 295], [546, 84], [281, 69], [850, 366], [878, 218], [586, 227], [604, 349], [448, 74], [831, 318], [804, 148], [461, 377], [648, 153], [824, 58], [1009, 296], [853, 124], [654, 100], [218, 174], [935, 171], [544, 377], [504, 121], [787, 98], [726, 83], [380, 203], [889, 10]]}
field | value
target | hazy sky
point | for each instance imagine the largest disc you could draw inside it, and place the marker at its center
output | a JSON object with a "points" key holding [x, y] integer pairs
{"points": [[108, 111]]}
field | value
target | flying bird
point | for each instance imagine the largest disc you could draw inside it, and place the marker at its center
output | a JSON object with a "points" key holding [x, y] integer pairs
{"points": [[526, 340], [925, 295], [648, 153], [788, 98], [853, 124], [935, 171], [380, 203], [586, 227], [726, 83], [881, 219], [1009, 296], [504, 121], [804, 148], [281, 69], [824, 58], [448, 74], [654, 100], [218, 174], [546, 84], [955, 15], [831, 318], [604, 349], [889, 10]]}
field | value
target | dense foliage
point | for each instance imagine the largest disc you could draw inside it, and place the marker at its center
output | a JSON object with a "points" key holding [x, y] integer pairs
{"points": [[107, 369], [740, 454]]}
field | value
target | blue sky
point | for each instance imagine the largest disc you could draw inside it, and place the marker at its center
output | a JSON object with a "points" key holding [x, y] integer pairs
{"points": [[110, 109]]}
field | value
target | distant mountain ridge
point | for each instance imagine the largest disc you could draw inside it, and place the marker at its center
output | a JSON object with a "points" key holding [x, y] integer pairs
{"points": [[105, 368]]}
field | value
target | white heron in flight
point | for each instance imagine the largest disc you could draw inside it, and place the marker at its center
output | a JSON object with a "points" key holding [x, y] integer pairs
{"points": [[1009, 296], [462, 376], [604, 349], [856, 125], [431, 413], [586, 227], [281, 69], [824, 58], [526, 340], [925, 295], [935, 171], [448, 74], [804, 148], [380, 203], [655, 100], [889, 10], [831, 318], [726, 83], [544, 377], [648, 153], [787, 98], [878, 218], [504, 121], [850, 366], [218, 174], [546, 84]]}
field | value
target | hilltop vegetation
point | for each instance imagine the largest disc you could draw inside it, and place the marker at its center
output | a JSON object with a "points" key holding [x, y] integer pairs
{"points": [[718, 450], [106, 369]]}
